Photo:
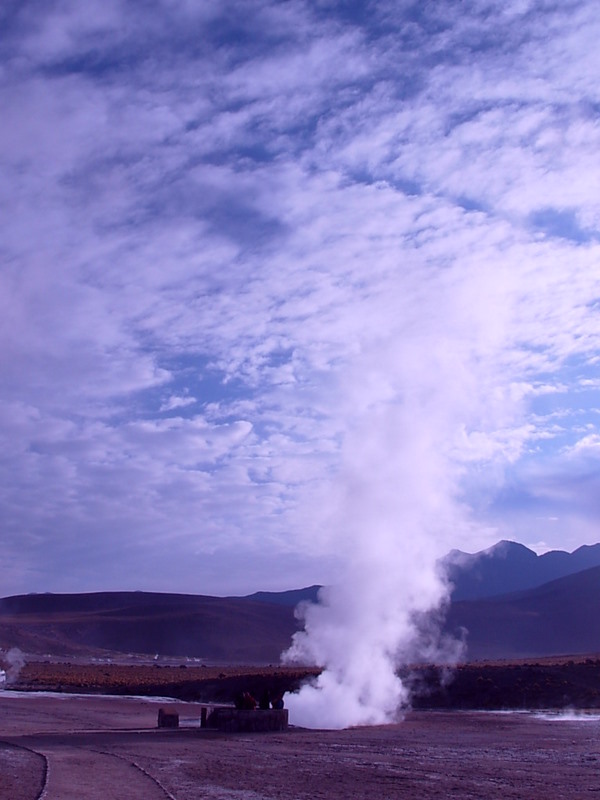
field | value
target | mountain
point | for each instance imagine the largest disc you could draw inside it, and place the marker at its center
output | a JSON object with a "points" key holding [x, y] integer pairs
{"points": [[505, 567], [511, 602], [292, 597], [511, 567], [218, 629], [561, 617]]}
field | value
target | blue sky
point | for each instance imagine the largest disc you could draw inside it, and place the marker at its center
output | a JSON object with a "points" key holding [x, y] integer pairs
{"points": [[281, 280]]}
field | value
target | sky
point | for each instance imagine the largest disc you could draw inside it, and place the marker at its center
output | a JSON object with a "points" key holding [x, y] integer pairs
{"points": [[273, 272]]}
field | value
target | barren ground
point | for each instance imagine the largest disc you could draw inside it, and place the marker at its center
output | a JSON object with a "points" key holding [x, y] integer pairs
{"points": [[557, 682], [65, 747]]}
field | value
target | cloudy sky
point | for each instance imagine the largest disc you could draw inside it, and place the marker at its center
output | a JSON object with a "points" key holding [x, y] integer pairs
{"points": [[270, 271]]}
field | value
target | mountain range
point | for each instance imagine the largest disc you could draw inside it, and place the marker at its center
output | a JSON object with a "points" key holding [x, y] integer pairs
{"points": [[512, 567], [507, 602]]}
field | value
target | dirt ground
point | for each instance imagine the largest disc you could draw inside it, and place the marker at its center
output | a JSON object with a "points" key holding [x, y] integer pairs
{"points": [[66, 747]]}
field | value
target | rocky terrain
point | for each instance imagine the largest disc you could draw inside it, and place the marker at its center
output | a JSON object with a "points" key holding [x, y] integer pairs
{"points": [[552, 683], [194, 683]]}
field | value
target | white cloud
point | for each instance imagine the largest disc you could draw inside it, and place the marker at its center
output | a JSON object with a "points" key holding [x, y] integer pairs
{"points": [[301, 231], [589, 445], [174, 401]]}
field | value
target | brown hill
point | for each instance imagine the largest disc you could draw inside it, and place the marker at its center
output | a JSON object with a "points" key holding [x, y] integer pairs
{"points": [[560, 617], [218, 629]]}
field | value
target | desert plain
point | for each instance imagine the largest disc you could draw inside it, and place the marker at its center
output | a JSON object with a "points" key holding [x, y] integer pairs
{"points": [[70, 746]]}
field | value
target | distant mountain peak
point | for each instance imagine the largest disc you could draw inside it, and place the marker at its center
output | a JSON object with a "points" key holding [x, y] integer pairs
{"points": [[511, 567], [508, 545]]}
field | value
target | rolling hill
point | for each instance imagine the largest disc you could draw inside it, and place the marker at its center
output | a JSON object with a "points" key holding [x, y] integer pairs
{"points": [[230, 629], [502, 618], [559, 617]]}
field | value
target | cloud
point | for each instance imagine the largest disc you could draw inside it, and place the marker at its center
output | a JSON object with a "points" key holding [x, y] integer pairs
{"points": [[174, 402], [296, 228]]}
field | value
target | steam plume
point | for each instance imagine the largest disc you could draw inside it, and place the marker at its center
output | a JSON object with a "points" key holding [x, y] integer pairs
{"points": [[14, 662], [394, 530], [439, 397]]}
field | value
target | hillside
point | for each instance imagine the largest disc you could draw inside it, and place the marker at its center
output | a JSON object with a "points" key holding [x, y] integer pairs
{"points": [[230, 629], [559, 617]]}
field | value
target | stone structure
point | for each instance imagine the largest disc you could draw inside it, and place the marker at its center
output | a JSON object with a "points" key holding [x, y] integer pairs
{"points": [[167, 719], [234, 720]]}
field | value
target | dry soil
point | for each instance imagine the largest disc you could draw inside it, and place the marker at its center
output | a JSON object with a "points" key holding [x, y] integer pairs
{"points": [[66, 747]]}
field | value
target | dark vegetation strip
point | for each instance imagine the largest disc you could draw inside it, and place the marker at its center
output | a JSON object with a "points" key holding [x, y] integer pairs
{"points": [[561, 683]]}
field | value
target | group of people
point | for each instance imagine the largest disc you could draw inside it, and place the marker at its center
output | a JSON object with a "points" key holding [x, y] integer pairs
{"points": [[245, 700]]}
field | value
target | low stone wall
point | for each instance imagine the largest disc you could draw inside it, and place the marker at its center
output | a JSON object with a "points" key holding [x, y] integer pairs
{"points": [[167, 719], [233, 720]]}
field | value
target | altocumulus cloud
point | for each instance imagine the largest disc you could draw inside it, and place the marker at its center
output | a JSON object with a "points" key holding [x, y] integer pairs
{"points": [[275, 274]]}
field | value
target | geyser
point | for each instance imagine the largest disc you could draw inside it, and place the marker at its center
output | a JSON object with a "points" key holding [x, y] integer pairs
{"points": [[393, 518]]}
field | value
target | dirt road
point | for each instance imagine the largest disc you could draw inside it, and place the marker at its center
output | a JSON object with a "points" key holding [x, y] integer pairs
{"points": [[96, 747]]}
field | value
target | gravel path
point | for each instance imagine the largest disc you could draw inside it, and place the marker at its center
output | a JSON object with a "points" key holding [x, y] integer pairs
{"points": [[79, 772], [22, 773]]}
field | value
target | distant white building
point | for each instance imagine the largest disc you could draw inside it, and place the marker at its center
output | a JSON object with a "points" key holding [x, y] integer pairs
{"points": [[2, 677]]}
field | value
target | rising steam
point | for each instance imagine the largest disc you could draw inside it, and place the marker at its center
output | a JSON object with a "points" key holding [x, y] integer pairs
{"points": [[14, 661], [394, 527], [437, 405]]}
